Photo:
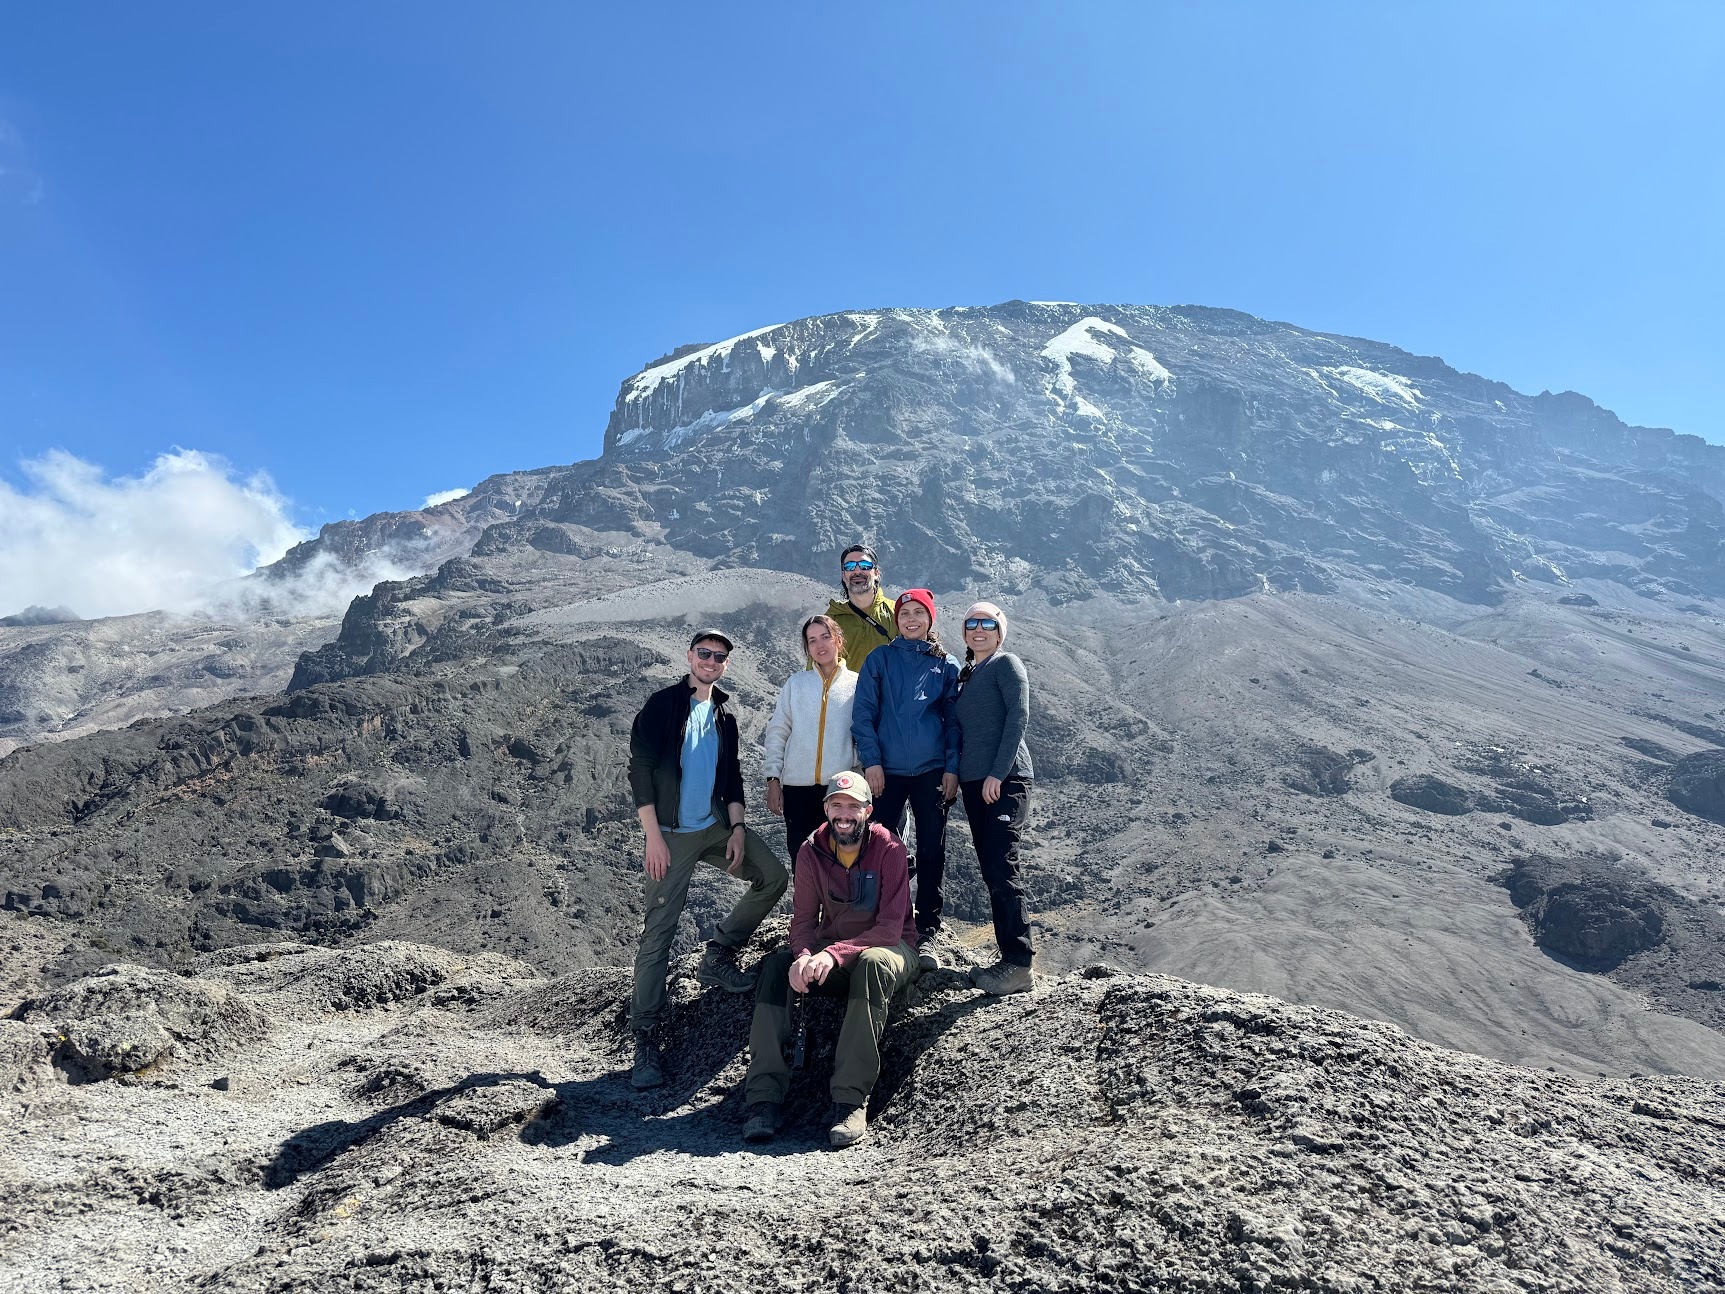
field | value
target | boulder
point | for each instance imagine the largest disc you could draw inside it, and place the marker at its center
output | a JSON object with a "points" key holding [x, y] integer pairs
{"points": [[1698, 785], [126, 1018], [1433, 794], [1595, 912]]}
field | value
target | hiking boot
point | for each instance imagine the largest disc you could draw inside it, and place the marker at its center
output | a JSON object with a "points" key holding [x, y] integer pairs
{"points": [[719, 969], [762, 1123], [849, 1124], [649, 1070], [927, 959], [1002, 978]]}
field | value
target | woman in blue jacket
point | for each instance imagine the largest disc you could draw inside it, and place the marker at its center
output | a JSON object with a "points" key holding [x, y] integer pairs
{"points": [[907, 743]]}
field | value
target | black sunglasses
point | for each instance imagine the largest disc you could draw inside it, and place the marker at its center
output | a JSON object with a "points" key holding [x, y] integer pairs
{"points": [[713, 653], [982, 622], [863, 565]]}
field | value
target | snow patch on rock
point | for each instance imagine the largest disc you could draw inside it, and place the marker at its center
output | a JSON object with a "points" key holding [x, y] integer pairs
{"points": [[1385, 388], [1081, 339], [647, 381]]}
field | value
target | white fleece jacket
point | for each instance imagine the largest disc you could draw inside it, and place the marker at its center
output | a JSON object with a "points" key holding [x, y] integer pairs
{"points": [[796, 732]]}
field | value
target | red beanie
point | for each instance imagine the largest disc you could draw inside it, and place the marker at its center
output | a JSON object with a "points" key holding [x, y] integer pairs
{"points": [[915, 595]]}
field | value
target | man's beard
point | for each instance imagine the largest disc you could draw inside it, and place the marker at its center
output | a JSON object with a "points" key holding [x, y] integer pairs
{"points": [[847, 833]]}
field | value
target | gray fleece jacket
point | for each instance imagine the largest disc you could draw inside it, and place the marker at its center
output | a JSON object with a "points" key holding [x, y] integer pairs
{"points": [[993, 711]]}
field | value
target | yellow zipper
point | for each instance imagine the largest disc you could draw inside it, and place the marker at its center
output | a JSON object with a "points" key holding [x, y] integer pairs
{"points": [[821, 731]]}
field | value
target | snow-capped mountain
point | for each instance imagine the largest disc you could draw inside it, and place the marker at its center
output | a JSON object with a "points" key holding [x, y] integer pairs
{"points": [[1176, 452]]}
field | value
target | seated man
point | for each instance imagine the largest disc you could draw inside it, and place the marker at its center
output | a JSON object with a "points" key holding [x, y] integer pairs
{"points": [[852, 934]]}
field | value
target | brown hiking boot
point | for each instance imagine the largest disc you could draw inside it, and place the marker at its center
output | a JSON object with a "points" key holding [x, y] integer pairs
{"points": [[763, 1122], [849, 1124], [719, 969], [1002, 978]]}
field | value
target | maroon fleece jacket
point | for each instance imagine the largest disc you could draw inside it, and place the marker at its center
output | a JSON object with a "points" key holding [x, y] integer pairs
{"points": [[864, 906]]}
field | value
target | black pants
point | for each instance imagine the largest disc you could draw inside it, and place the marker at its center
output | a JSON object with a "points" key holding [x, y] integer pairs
{"points": [[928, 864], [805, 810], [995, 828]]}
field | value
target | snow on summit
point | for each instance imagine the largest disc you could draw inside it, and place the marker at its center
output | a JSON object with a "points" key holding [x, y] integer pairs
{"points": [[1081, 339], [647, 381]]}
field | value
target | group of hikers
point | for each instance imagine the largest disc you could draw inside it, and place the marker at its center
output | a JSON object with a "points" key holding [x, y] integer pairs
{"points": [[883, 719]]}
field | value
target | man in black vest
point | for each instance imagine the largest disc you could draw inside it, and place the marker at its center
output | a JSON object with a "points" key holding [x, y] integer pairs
{"points": [[688, 788]]}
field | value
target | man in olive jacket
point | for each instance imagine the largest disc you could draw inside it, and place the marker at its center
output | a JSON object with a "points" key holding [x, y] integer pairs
{"points": [[688, 787], [865, 611]]}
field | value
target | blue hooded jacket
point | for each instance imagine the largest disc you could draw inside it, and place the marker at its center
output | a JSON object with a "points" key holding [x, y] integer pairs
{"points": [[902, 717]]}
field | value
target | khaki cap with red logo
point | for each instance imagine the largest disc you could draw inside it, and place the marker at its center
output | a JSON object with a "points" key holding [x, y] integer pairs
{"points": [[854, 785]]}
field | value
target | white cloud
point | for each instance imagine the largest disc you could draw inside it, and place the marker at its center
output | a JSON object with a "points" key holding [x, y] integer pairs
{"points": [[445, 496], [172, 539]]}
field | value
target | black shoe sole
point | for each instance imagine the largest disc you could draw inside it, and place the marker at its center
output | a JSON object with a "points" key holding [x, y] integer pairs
{"points": [[657, 1080]]}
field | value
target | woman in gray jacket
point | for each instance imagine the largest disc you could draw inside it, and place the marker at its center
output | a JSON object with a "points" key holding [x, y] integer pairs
{"points": [[994, 772]]}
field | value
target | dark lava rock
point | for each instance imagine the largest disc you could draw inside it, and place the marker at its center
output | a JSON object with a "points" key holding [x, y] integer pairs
{"points": [[1320, 771], [1652, 749], [1597, 913], [360, 800], [1698, 784], [1433, 794], [1578, 600], [35, 615]]}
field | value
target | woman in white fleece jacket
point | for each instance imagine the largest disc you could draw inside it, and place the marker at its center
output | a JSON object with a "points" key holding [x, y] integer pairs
{"points": [[809, 736]]}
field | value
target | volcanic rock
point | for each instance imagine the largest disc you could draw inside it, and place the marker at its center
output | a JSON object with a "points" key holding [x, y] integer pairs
{"points": [[1433, 794], [126, 1018], [1592, 911], [1698, 784], [1194, 1139]]}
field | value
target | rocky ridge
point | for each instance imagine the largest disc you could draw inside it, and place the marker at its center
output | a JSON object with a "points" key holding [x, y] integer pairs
{"points": [[409, 1119]]}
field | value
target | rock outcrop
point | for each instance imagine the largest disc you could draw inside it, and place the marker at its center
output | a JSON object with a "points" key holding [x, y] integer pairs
{"points": [[1183, 1138], [128, 1019], [1698, 784]]}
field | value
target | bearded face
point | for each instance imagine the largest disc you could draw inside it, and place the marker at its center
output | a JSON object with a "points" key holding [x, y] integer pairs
{"points": [[848, 819]]}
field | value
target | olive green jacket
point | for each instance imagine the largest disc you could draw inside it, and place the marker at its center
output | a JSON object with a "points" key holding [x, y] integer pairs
{"points": [[863, 636]]}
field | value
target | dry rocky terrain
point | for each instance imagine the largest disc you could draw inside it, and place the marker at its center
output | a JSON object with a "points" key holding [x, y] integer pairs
{"points": [[1359, 683], [398, 1117]]}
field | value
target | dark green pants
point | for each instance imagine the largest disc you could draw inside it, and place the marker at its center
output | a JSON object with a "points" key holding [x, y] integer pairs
{"points": [[665, 898], [868, 984]]}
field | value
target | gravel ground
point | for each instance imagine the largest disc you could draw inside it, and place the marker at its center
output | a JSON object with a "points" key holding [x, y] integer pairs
{"points": [[414, 1119]]}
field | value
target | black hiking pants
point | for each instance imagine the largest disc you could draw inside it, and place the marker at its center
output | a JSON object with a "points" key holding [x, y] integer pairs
{"points": [[996, 828], [928, 861], [805, 811]]}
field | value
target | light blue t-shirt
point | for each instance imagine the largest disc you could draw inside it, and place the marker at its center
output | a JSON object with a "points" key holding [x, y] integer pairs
{"points": [[700, 767]]}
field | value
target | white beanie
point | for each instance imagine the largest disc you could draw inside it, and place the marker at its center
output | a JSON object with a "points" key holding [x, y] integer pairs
{"points": [[988, 609]]}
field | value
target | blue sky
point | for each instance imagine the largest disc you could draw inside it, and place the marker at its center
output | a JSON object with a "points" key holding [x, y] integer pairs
{"points": [[382, 250]]}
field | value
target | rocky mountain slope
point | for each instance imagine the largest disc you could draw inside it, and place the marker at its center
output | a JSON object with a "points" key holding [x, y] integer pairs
{"points": [[63, 677], [286, 1118], [1475, 665]]}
